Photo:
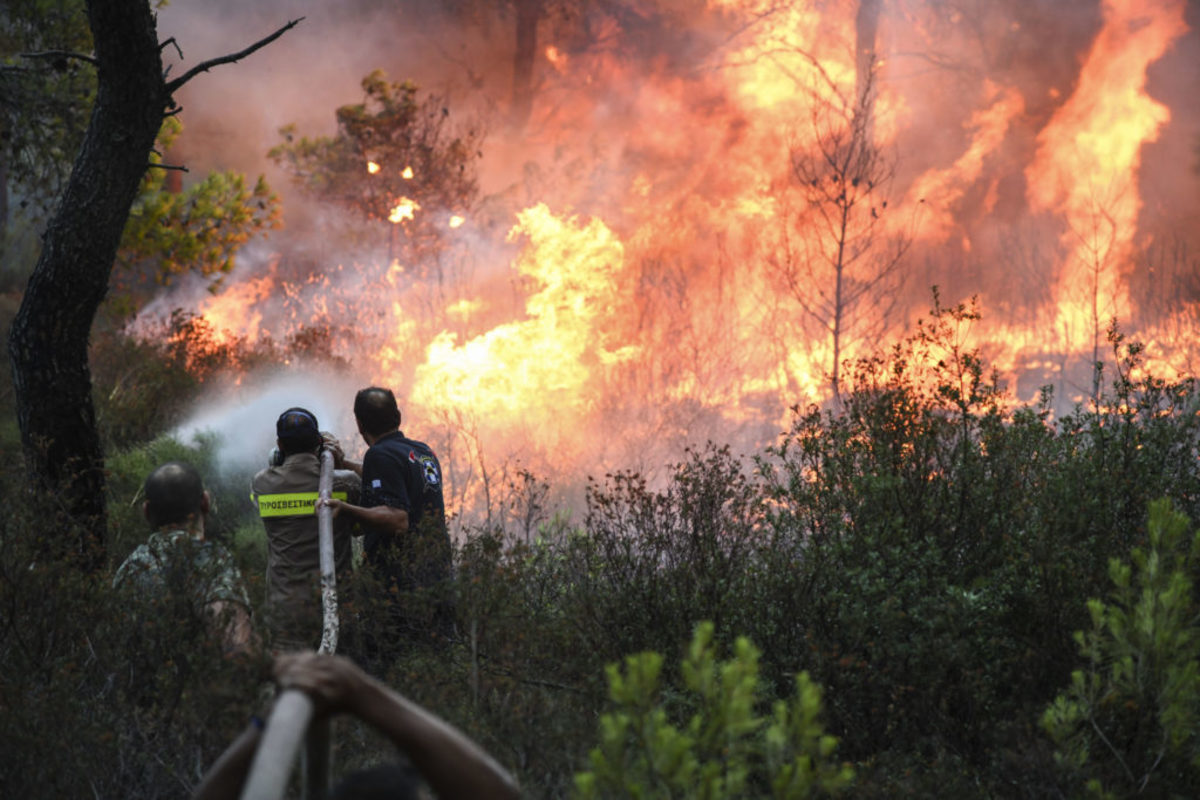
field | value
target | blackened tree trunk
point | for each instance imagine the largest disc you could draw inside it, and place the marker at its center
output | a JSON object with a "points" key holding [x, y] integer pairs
{"points": [[48, 342]]}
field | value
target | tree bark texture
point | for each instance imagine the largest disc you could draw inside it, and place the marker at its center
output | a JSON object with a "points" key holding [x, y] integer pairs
{"points": [[48, 342]]}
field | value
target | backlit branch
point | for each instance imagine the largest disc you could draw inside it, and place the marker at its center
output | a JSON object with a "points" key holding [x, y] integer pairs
{"points": [[205, 66]]}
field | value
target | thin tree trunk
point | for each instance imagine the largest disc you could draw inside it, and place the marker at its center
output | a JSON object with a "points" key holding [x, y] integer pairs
{"points": [[866, 32], [48, 342], [529, 13]]}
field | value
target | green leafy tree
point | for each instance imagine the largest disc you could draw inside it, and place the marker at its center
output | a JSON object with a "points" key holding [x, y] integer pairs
{"points": [[47, 89], [394, 160], [1129, 724], [197, 230], [45, 97], [725, 749]]}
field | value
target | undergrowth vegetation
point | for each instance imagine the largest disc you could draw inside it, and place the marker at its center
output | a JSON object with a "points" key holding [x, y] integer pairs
{"points": [[984, 601]]}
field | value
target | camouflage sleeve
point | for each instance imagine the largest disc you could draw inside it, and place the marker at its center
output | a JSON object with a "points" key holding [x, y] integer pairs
{"points": [[225, 581], [132, 570]]}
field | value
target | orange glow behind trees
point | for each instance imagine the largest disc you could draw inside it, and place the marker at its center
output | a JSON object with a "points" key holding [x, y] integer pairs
{"points": [[650, 261]]}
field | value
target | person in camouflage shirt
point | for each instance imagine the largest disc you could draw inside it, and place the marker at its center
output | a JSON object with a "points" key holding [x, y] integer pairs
{"points": [[178, 564]]}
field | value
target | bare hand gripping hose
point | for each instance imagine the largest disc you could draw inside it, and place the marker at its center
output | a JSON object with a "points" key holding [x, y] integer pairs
{"points": [[289, 720]]}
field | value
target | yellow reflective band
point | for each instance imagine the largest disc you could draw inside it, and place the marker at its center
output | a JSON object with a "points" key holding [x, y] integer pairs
{"points": [[292, 504]]}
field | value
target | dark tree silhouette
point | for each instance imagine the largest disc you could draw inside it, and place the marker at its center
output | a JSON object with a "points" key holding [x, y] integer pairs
{"points": [[48, 342], [840, 264]]}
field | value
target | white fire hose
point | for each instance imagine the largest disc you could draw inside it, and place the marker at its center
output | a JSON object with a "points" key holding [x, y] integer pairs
{"points": [[293, 712]]}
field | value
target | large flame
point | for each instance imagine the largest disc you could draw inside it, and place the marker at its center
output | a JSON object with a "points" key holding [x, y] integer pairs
{"points": [[1088, 158], [544, 373], [667, 276]]}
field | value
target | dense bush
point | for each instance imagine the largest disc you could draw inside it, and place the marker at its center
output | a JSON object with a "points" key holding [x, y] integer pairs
{"points": [[926, 553], [102, 695]]}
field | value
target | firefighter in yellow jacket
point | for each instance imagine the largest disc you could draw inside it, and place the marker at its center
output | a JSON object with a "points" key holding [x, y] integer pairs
{"points": [[286, 496]]}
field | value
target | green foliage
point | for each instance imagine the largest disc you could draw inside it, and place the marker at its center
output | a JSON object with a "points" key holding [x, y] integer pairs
{"points": [[924, 555], [1130, 721], [104, 694], [395, 131], [44, 102], [231, 511], [947, 541], [198, 229], [725, 749]]}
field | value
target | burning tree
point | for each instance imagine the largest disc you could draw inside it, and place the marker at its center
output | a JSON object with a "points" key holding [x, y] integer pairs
{"points": [[837, 259], [393, 159]]}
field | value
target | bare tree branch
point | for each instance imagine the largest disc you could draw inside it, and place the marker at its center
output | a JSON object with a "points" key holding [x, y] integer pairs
{"points": [[205, 66], [171, 41]]}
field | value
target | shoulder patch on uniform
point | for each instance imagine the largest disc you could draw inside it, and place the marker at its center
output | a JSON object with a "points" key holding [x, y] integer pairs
{"points": [[429, 466]]}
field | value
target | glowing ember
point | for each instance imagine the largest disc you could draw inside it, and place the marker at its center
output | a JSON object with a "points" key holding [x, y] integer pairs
{"points": [[407, 174], [372, 167], [464, 308], [403, 210], [456, 221]]}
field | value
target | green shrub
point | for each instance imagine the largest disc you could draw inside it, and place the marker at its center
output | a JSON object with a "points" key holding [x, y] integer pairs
{"points": [[232, 518], [1130, 722], [725, 748]]}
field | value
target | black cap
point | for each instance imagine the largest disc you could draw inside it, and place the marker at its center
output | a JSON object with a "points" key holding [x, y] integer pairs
{"points": [[298, 425]]}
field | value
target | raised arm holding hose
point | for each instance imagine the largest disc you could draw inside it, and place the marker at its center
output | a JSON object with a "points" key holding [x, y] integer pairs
{"points": [[452, 764]]}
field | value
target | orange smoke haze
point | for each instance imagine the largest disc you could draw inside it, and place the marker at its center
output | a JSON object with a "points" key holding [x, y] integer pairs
{"points": [[653, 261]]}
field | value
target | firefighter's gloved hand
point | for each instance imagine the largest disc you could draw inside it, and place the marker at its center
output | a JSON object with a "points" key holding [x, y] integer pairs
{"points": [[329, 442]]}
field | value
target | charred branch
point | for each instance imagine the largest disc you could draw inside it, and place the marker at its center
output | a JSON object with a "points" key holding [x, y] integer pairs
{"points": [[205, 66], [171, 43]]}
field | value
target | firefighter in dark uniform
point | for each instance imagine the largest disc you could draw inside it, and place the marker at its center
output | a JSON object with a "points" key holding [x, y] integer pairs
{"points": [[286, 496], [403, 514]]}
